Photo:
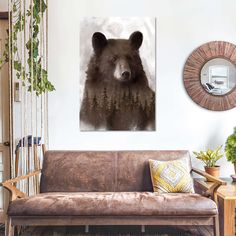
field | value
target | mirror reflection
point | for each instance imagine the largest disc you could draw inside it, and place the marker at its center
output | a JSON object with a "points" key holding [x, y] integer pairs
{"points": [[218, 76]]}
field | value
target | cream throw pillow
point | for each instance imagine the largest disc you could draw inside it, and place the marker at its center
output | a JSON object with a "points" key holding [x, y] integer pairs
{"points": [[171, 176]]}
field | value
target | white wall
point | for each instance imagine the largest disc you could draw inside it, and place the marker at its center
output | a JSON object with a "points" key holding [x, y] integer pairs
{"points": [[182, 26], [3, 5]]}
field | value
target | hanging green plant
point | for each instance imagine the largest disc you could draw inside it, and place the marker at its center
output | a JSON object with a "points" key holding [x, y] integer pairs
{"points": [[5, 57], [35, 76]]}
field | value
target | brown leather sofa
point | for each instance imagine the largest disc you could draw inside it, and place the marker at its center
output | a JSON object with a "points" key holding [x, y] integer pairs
{"points": [[107, 188]]}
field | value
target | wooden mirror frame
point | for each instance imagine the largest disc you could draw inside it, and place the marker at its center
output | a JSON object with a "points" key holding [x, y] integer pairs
{"points": [[192, 75]]}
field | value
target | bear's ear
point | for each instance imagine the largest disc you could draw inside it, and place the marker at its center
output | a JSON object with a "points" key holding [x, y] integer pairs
{"points": [[136, 39], [99, 42]]}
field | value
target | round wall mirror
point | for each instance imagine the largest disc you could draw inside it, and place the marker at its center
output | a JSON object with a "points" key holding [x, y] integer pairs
{"points": [[210, 76]]}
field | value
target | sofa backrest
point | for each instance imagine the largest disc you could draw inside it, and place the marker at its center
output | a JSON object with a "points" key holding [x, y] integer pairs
{"points": [[101, 171]]}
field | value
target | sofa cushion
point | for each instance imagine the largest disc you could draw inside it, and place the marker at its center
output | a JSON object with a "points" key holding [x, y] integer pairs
{"points": [[171, 176], [101, 171], [78, 171], [113, 204]]}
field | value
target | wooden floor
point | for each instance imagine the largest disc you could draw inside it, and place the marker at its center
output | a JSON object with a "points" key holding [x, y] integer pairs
{"points": [[118, 230]]}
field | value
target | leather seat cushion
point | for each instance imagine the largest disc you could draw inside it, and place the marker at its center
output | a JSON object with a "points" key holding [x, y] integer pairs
{"points": [[113, 204]]}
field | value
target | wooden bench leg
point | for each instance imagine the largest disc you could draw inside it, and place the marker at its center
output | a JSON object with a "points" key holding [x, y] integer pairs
{"points": [[9, 229], [216, 226]]}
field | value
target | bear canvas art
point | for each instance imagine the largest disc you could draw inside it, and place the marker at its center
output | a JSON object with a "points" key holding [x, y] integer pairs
{"points": [[117, 94]]}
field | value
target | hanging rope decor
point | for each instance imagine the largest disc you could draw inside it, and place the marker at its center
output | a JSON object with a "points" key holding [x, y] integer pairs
{"points": [[29, 86]]}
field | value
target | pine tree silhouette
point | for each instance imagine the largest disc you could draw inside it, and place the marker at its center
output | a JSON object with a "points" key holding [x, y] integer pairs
{"points": [[145, 109], [95, 110], [137, 101], [86, 102], [132, 102], [129, 94], [124, 96], [152, 104], [104, 99]]}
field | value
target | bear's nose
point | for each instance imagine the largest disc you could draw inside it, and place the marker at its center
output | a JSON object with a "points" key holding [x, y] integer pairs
{"points": [[126, 74]]}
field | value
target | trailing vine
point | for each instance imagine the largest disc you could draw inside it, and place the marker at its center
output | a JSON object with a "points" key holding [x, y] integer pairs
{"points": [[5, 56], [35, 77]]}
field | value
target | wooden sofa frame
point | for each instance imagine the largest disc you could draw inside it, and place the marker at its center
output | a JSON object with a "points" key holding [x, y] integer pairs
{"points": [[13, 221]]}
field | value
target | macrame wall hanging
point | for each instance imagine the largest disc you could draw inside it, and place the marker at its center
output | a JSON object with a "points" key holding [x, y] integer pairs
{"points": [[29, 87]]}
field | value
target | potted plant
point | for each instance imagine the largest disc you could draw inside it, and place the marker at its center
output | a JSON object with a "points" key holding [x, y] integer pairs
{"points": [[210, 157], [230, 148]]}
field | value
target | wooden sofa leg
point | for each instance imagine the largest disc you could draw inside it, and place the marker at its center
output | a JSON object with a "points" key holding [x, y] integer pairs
{"points": [[142, 228], [9, 229], [216, 226], [86, 228]]}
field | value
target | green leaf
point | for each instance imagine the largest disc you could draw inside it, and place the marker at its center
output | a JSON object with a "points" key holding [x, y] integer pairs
{"points": [[14, 7], [209, 157], [17, 65], [28, 11], [18, 75], [230, 147]]}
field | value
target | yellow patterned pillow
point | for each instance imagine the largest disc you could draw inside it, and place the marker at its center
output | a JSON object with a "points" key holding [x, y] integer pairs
{"points": [[171, 176]]}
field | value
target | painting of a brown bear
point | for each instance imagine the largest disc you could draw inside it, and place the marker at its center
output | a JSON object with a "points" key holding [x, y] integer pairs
{"points": [[116, 93]]}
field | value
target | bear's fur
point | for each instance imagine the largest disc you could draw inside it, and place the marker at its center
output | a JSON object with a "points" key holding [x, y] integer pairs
{"points": [[116, 94]]}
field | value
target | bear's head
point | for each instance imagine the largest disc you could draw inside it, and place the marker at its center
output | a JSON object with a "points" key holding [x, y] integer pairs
{"points": [[118, 58]]}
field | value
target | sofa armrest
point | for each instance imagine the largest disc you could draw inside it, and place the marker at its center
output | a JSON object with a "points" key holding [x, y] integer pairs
{"points": [[10, 185], [208, 188], [210, 178]]}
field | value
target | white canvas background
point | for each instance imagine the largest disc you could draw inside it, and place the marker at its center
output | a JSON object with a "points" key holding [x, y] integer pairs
{"points": [[116, 27]]}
